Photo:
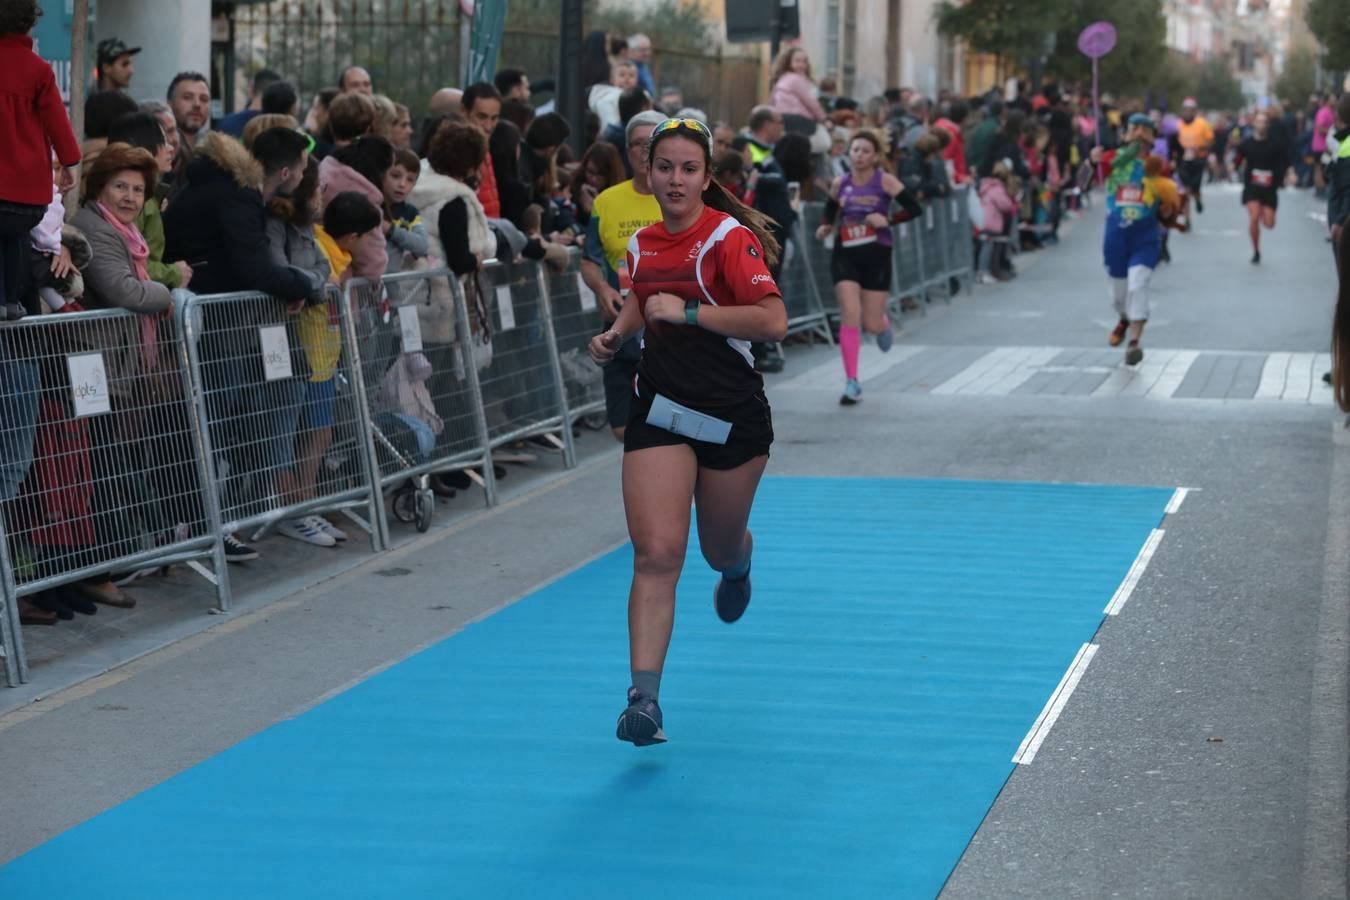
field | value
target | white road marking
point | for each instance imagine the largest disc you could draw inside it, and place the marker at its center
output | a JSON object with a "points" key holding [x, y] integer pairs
{"points": [[1040, 729], [1159, 375], [999, 372], [1178, 497], [1273, 376], [1136, 572], [1287, 377]]}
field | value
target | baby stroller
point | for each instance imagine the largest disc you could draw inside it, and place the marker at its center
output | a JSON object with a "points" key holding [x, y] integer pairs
{"points": [[405, 429]]}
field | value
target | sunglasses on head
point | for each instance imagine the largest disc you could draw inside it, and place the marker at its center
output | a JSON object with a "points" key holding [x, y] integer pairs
{"points": [[685, 124]]}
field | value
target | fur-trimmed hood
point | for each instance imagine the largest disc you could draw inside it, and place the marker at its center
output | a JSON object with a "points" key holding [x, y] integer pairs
{"points": [[222, 152]]}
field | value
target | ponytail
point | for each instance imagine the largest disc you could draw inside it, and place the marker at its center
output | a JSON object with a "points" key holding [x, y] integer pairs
{"points": [[760, 225]]}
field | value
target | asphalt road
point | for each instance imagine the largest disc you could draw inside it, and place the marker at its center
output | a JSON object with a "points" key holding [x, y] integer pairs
{"points": [[1204, 752]]}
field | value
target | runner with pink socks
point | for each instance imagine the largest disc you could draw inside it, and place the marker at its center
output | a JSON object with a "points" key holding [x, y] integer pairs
{"points": [[860, 265]]}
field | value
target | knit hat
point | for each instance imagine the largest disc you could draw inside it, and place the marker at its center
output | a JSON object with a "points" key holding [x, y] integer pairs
{"points": [[1145, 120], [548, 130]]}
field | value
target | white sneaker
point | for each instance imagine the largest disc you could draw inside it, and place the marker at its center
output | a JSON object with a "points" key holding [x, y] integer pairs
{"points": [[304, 530], [327, 527]]}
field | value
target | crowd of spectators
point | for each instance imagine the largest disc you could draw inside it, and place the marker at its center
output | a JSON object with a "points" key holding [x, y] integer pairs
{"points": [[292, 195]]}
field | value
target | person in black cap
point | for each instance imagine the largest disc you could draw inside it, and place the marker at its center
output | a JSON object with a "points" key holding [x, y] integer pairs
{"points": [[115, 66]]}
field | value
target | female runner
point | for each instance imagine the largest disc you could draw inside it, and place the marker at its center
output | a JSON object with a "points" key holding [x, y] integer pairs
{"points": [[861, 263], [1264, 161], [699, 428]]}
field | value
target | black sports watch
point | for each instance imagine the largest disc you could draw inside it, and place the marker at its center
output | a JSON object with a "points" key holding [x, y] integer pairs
{"points": [[691, 312]]}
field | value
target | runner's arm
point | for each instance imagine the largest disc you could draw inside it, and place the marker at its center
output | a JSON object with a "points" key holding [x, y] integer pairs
{"points": [[763, 321]]}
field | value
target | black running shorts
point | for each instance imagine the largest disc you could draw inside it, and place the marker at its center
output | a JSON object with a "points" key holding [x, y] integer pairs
{"points": [[751, 431], [869, 265]]}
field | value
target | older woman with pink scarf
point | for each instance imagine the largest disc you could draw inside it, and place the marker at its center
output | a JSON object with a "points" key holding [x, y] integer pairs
{"points": [[141, 380]]}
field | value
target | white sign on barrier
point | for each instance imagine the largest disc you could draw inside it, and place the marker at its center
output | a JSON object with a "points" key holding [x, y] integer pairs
{"points": [[88, 384], [276, 352], [410, 328], [929, 217], [956, 210], [904, 229], [588, 301], [504, 307]]}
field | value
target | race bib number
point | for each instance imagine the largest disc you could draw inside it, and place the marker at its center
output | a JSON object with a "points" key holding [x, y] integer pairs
{"points": [[857, 235], [1130, 194], [1263, 177]]}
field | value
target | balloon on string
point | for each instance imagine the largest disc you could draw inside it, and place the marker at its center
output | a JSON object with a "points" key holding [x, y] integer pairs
{"points": [[1097, 40]]}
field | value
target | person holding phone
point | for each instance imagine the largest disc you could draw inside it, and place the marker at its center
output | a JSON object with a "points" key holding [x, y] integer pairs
{"points": [[699, 427], [860, 265]]}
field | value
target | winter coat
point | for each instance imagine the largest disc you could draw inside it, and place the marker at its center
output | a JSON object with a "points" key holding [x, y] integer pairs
{"points": [[403, 389], [151, 226], [793, 94], [33, 123], [218, 225], [996, 203], [430, 196], [371, 257], [110, 282], [290, 245]]}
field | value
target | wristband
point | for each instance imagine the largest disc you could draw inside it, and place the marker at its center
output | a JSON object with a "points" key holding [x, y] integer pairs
{"points": [[691, 312]]}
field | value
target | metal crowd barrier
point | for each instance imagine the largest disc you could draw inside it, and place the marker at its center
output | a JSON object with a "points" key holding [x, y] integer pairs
{"points": [[283, 426], [419, 383], [799, 283], [510, 325], [576, 319], [102, 466]]}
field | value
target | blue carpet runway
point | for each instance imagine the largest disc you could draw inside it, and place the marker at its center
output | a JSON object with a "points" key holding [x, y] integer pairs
{"points": [[844, 739]]}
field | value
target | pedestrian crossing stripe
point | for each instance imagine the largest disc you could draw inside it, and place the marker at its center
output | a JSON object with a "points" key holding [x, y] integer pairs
{"points": [[1165, 374]]}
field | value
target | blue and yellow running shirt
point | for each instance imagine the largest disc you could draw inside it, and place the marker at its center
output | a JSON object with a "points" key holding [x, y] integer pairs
{"points": [[1130, 197]]}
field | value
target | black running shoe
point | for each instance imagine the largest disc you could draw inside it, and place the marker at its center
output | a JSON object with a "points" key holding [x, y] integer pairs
{"points": [[731, 597], [1256, 257], [1134, 354], [640, 723]]}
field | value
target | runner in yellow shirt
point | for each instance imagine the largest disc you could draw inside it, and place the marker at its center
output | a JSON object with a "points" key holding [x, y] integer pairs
{"points": [[616, 215]]}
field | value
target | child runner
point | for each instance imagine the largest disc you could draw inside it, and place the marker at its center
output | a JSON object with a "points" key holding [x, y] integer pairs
{"points": [[861, 263], [1264, 160], [699, 427]]}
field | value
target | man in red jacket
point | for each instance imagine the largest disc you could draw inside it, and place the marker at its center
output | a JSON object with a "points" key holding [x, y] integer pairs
{"points": [[33, 125]]}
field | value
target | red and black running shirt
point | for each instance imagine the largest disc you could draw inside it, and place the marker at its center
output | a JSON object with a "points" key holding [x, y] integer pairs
{"points": [[716, 261]]}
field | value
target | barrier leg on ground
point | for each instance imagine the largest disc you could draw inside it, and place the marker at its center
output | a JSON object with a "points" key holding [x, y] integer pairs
{"points": [[11, 630]]}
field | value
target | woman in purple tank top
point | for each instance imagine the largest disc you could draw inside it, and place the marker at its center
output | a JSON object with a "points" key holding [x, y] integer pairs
{"points": [[861, 263]]}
